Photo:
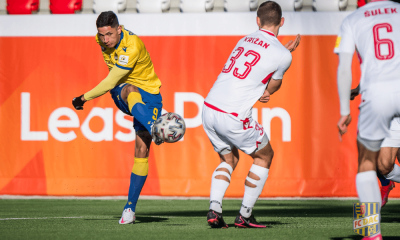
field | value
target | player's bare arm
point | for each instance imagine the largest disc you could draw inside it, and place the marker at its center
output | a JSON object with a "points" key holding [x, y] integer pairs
{"points": [[291, 46]]}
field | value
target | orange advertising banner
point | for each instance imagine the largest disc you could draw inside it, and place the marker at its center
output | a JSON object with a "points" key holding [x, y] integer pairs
{"points": [[48, 148]]}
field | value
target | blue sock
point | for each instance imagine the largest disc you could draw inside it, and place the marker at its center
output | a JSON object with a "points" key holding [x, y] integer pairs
{"points": [[384, 181], [135, 188], [138, 177]]}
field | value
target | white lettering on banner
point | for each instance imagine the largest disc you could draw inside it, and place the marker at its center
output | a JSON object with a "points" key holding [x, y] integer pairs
{"points": [[106, 114], [54, 123], [125, 123], [26, 133], [268, 114], [180, 99], [106, 134]]}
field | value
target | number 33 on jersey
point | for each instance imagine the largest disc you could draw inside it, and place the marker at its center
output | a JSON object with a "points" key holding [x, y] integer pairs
{"points": [[256, 59]]}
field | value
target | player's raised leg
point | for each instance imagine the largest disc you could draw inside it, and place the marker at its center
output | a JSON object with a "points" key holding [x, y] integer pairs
{"points": [[390, 171], [221, 179], [386, 163], [142, 112], [254, 185]]}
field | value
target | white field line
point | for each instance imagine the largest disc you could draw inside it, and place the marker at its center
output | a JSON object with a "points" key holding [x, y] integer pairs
{"points": [[44, 218], [166, 198], [5, 219]]}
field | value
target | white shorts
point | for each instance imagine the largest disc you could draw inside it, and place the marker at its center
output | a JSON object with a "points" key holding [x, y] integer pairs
{"points": [[226, 131], [379, 105], [393, 140]]}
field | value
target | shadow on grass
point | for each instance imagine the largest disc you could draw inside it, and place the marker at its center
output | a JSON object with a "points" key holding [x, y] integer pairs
{"points": [[352, 237], [139, 220], [267, 223], [315, 210]]}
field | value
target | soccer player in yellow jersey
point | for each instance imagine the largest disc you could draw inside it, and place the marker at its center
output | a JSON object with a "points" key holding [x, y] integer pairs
{"points": [[135, 89]]}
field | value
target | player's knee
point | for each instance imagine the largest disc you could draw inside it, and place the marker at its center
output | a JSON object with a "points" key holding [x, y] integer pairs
{"points": [[131, 88], [384, 167], [267, 156], [127, 90]]}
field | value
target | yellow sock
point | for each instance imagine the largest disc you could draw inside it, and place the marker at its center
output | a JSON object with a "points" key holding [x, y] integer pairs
{"points": [[133, 98], [141, 166]]}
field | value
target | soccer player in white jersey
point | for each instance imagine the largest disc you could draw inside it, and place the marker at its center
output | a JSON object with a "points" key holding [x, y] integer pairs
{"points": [[375, 30], [253, 71], [387, 156]]}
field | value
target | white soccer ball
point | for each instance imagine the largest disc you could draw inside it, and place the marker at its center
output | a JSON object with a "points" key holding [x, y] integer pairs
{"points": [[170, 127]]}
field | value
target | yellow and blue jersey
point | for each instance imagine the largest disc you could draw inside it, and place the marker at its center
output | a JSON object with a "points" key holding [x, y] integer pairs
{"points": [[131, 54]]}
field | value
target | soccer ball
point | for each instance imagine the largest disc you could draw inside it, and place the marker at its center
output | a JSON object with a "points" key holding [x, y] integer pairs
{"points": [[170, 127]]}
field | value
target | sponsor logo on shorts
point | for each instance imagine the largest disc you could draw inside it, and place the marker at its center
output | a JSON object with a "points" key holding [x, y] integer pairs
{"points": [[366, 218]]}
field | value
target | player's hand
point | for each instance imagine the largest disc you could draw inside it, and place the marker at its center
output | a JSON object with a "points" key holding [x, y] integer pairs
{"points": [[342, 125], [78, 102], [265, 97], [354, 92], [292, 45]]}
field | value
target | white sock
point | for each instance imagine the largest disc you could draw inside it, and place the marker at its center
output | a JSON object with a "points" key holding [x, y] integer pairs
{"points": [[251, 194], [368, 188], [219, 186], [394, 175]]}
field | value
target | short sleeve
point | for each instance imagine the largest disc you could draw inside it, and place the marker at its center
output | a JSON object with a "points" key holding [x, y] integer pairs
{"points": [[283, 66], [337, 44], [127, 57], [345, 41]]}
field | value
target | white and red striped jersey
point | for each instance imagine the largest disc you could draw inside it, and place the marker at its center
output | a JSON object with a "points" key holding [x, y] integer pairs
{"points": [[255, 59], [374, 30]]}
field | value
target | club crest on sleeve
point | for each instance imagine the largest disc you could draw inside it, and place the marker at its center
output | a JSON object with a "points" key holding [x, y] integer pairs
{"points": [[366, 218], [123, 60]]}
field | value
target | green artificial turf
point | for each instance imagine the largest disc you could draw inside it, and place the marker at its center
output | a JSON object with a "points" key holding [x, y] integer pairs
{"points": [[183, 219]]}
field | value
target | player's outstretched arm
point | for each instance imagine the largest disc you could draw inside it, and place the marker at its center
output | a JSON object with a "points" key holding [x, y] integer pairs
{"points": [[292, 45], [104, 86]]}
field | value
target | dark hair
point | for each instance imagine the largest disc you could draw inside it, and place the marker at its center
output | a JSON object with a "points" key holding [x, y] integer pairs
{"points": [[270, 13], [107, 19]]}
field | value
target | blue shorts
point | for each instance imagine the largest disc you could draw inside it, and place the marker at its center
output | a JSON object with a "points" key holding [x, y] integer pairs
{"points": [[151, 100]]}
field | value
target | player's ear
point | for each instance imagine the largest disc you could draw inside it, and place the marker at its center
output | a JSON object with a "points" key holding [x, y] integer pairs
{"points": [[282, 21], [259, 22], [119, 29]]}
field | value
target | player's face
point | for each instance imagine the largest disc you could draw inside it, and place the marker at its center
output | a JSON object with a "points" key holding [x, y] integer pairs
{"points": [[109, 36]]}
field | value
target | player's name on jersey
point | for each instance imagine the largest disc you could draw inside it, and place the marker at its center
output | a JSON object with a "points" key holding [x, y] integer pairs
{"points": [[380, 11], [257, 42]]}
